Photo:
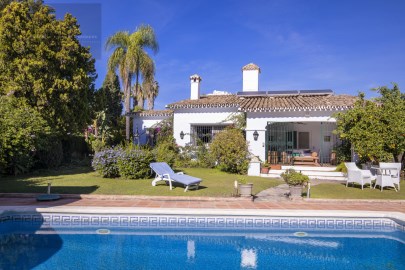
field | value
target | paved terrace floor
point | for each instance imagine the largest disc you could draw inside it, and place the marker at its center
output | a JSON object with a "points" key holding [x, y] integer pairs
{"points": [[208, 203]]}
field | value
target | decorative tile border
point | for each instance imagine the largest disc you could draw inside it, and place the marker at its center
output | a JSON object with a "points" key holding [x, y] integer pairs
{"points": [[205, 222]]}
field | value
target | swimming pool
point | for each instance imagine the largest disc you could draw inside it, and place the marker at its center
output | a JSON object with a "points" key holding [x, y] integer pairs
{"points": [[159, 241]]}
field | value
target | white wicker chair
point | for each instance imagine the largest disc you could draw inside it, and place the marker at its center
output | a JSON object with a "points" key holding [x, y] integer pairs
{"points": [[395, 173], [355, 175]]}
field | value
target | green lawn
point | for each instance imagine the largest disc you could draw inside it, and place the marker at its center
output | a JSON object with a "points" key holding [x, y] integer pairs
{"points": [[82, 180], [340, 191]]}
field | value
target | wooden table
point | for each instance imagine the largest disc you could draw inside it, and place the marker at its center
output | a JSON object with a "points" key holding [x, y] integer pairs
{"points": [[306, 161]]}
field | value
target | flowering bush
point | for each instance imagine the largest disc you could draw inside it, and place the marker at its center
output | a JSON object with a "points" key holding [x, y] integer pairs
{"points": [[133, 163], [105, 162]]}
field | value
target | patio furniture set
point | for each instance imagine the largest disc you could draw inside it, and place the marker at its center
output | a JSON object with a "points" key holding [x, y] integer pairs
{"points": [[386, 175]]}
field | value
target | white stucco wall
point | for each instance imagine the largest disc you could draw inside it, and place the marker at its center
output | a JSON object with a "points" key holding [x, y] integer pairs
{"points": [[184, 118], [251, 80], [257, 121], [195, 89], [144, 122]]}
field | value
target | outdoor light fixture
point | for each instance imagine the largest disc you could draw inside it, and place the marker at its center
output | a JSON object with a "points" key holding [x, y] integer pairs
{"points": [[181, 135], [255, 135]]}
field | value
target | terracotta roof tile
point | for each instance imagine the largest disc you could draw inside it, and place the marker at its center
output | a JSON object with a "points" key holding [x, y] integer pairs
{"points": [[211, 101], [155, 113], [293, 102], [251, 66], [270, 103]]}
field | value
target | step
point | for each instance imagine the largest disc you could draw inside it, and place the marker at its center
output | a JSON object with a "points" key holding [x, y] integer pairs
{"points": [[312, 174], [309, 168]]}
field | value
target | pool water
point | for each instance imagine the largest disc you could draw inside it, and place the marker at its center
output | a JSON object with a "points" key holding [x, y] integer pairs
{"points": [[25, 244]]}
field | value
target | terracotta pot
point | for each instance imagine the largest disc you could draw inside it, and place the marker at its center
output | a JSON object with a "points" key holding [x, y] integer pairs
{"points": [[264, 170], [245, 190], [295, 192]]}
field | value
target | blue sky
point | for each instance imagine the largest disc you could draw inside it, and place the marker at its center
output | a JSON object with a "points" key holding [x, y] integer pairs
{"points": [[346, 46]]}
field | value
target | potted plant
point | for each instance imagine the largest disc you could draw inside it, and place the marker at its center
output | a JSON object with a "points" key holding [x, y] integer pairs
{"points": [[264, 168], [245, 188], [295, 181]]}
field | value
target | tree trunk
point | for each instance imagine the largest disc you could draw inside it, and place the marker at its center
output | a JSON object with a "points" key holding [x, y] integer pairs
{"points": [[151, 104], [136, 85], [141, 103], [127, 90]]}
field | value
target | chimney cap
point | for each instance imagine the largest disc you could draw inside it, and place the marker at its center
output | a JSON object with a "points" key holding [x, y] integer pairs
{"points": [[195, 77], [251, 66]]}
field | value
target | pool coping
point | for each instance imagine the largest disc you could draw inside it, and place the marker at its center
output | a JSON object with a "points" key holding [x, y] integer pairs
{"points": [[398, 217], [185, 198]]}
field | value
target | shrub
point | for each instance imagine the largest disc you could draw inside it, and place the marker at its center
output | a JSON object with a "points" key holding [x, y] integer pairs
{"points": [[341, 168], [74, 147], [50, 154], [205, 158], [293, 178], [230, 150], [166, 151], [22, 130], [186, 157], [133, 163], [105, 162], [343, 152], [194, 156], [95, 144]]}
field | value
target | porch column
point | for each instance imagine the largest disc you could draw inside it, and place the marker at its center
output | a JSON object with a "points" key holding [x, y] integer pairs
{"points": [[257, 147]]}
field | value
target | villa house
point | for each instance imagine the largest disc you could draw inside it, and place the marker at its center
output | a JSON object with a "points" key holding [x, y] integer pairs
{"points": [[279, 124]]}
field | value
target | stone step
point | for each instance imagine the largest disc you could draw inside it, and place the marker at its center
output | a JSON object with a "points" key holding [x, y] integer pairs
{"points": [[309, 168], [312, 174]]}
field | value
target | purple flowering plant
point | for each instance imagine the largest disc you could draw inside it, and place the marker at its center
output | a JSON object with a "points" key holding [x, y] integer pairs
{"points": [[105, 162]]}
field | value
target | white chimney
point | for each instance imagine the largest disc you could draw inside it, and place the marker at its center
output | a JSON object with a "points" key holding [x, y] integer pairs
{"points": [[195, 86], [250, 77]]}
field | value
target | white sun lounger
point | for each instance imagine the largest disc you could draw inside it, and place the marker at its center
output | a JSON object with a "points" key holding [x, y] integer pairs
{"points": [[165, 173]]}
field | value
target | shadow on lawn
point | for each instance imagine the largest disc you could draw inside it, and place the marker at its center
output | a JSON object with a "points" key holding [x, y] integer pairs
{"points": [[32, 187], [179, 185], [66, 170]]}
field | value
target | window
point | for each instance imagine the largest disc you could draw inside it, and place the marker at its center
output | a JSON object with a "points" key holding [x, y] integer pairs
{"points": [[204, 134], [303, 140]]}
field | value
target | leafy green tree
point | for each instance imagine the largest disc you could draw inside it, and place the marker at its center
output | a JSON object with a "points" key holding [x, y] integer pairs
{"points": [[376, 129], [22, 133], [43, 63], [33, 4], [230, 150], [132, 61], [108, 109]]}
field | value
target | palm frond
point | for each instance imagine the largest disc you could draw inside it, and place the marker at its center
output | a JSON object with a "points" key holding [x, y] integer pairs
{"points": [[119, 39]]}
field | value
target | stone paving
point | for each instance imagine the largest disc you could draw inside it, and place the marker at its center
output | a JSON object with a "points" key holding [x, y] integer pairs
{"points": [[278, 193], [209, 203]]}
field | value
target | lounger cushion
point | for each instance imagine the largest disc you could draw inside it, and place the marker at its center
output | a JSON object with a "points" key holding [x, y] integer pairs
{"points": [[185, 179]]}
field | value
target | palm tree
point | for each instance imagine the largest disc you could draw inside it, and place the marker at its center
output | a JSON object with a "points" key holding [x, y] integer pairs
{"points": [[131, 59], [140, 95], [152, 93]]}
